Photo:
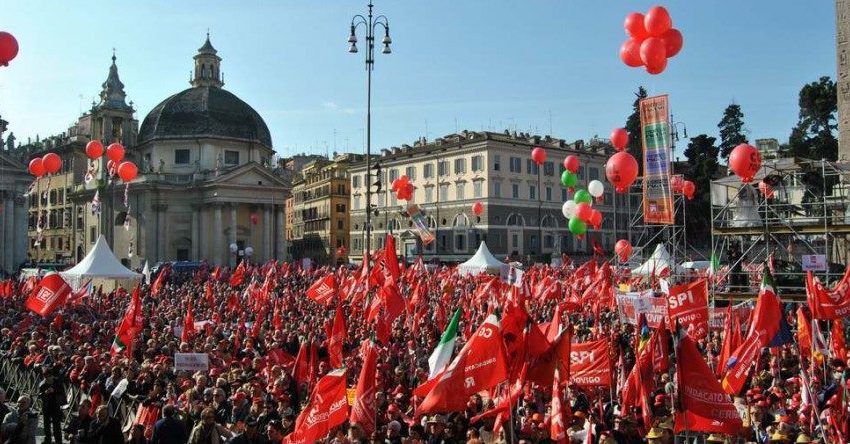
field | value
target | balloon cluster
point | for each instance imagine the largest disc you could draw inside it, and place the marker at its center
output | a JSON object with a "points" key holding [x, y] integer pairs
{"points": [[580, 212], [679, 185], [568, 177], [126, 170], [652, 40], [621, 168], [623, 249], [403, 188], [8, 48], [50, 163], [745, 161]]}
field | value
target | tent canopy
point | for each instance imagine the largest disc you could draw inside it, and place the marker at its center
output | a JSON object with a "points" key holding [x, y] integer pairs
{"points": [[659, 263], [99, 263], [481, 262]]}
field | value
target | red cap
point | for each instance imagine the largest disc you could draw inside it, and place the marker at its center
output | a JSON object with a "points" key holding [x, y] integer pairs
{"points": [[392, 408]]}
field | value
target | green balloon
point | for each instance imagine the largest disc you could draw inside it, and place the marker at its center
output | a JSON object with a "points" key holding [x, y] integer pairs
{"points": [[568, 179], [577, 227], [583, 196]]}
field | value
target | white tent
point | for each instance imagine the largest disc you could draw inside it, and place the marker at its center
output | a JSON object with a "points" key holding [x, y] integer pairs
{"points": [[660, 262], [99, 263], [481, 262]]}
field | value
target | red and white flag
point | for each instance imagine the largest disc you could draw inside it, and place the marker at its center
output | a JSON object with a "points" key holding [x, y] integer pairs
{"points": [[323, 290], [365, 406], [328, 408], [50, 294], [557, 427], [337, 338]]}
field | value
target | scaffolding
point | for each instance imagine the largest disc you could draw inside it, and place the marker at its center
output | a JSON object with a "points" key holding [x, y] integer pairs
{"points": [[801, 210]]}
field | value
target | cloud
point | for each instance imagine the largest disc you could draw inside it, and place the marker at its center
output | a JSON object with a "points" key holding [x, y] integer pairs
{"points": [[330, 105]]}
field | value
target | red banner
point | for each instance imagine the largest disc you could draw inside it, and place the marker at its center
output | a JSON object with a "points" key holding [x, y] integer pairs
{"points": [[328, 408], [688, 303], [590, 364], [828, 304], [323, 290], [49, 295], [630, 306]]}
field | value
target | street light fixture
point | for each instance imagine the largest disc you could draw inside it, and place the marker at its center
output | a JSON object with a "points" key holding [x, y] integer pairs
{"points": [[371, 24]]}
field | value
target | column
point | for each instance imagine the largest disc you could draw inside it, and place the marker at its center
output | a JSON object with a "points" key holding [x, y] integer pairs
{"points": [[280, 234], [162, 233], [195, 233], [232, 237], [5, 238], [8, 250], [20, 234], [217, 237], [268, 247]]}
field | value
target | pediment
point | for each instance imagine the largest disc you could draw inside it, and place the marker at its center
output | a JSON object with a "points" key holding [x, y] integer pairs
{"points": [[249, 174], [8, 162]]}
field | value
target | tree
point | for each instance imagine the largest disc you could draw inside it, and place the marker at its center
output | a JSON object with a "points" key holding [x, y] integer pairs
{"points": [[702, 165], [813, 137], [635, 147], [731, 129]]}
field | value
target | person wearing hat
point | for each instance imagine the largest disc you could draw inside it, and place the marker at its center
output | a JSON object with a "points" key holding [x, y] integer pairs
{"points": [[251, 435], [803, 438], [436, 428], [654, 436], [715, 437]]}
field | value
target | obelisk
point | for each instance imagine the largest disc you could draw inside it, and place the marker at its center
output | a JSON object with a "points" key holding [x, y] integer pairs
{"points": [[842, 46]]}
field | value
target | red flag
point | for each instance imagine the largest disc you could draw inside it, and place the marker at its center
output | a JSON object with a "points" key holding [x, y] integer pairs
{"points": [[703, 406], [390, 258], [688, 304], [327, 408], [828, 304], [159, 282], [479, 366], [188, 324], [838, 345], [238, 276], [50, 294], [729, 345], [557, 426], [216, 274], [556, 359], [337, 339], [323, 290], [277, 323], [554, 329], [131, 324], [392, 301], [29, 285], [301, 370], [590, 364], [364, 409], [804, 333], [208, 293]]}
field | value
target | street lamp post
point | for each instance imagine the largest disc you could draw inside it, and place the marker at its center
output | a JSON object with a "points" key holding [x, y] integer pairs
{"points": [[371, 24]]}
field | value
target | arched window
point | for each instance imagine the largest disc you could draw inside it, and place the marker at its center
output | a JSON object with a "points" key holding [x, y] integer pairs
{"points": [[432, 222], [549, 222], [394, 226], [461, 221], [515, 220]]}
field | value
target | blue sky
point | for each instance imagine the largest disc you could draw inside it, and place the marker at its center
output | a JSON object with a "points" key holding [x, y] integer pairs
{"points": [[455, 64]]}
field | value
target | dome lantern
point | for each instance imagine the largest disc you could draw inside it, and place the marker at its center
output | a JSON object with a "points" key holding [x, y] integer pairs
{"points": [[207, 66]]}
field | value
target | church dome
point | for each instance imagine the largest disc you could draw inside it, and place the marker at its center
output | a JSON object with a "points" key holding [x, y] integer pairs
{"points": [[204, 111]]}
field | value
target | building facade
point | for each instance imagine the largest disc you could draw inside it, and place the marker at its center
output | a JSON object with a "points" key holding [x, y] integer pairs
{"points": [[522, 215], [321, 205], [14, 181]]}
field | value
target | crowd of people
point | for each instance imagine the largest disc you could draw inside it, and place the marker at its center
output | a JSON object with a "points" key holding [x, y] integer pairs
{"points": [[268, 343]]}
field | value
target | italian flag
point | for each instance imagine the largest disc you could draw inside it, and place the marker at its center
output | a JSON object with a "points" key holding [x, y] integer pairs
{"points": [[442, 354]]}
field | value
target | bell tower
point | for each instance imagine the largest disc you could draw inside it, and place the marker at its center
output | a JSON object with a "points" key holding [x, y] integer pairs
{"points": [[207, 66]]}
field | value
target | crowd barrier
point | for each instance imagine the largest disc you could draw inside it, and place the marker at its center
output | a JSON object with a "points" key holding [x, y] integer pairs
{"points": [[17, 380]]}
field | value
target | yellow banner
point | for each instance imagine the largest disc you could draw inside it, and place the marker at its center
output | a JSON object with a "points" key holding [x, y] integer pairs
{"points": [[655, 125]]}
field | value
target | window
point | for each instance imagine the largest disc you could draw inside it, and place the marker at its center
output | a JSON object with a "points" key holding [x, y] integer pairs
{"points": [[515, 191], [393, 200], [382, 200], [548, 241], [460, 242], [563, 194], [444, 193], [231, 157], [549, 194], [549, 169], [532, 192], [497, 162], [428, 171], [497, 189], [181, 157], [594, 173], [393, 174], [459, 195], [339, 224], [534, 243], [531, 167], [476, 189], [581, 172], [516, 165], [429, 194], [443, 167], [355, 203], [460, 166], [476, 163], [410, 172], [92, 234], [355, 181]]}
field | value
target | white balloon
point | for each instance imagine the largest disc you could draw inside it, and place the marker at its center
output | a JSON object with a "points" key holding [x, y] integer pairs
{"points": [[569, 209], [595, 188]]}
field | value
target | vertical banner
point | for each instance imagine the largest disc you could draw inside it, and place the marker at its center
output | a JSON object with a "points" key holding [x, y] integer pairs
{"points": [[655, 130]]}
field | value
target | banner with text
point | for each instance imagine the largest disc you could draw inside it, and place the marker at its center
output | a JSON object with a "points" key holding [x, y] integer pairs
{"points": [[688, 303], [657, 144], [631, 305], [590, 364]]}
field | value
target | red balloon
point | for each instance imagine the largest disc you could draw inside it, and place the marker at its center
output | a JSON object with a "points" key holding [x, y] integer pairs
{"points": [[653, 52], [94, 149], [745, 161], [657, 21], [676, 183], [115, 152], [52, 163], [621, 170], [620, 138], [688, 189], [571, 163], [538, 155], [596, 219], [127, 171], [623, 249], [477, 208], [630, 53], [673, 42], [396, 185], [36, 167], [584, 212], [8, 48], [634, 26]]}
